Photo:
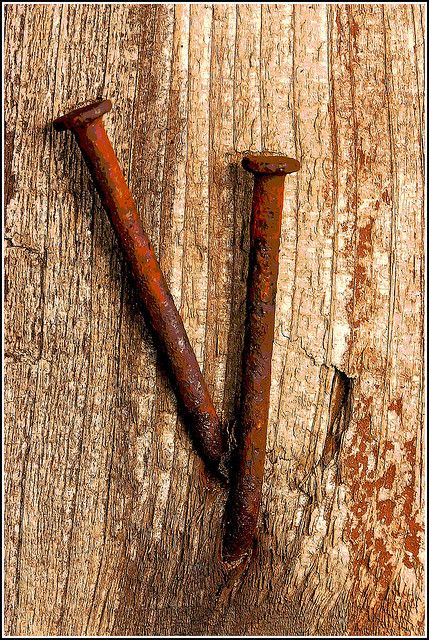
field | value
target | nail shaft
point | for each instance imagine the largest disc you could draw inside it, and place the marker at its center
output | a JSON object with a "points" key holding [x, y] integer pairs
{"points": [[242, 509], [191, 389]]}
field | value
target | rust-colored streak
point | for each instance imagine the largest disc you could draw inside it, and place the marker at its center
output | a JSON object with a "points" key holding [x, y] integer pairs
{"points": [[191, 389], [242, 509]]}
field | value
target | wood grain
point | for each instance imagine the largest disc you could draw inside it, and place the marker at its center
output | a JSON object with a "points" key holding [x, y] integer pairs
{"points": [[112, 526]]}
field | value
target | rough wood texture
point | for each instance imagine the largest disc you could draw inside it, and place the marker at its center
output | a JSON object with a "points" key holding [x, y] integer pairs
{"points": [[112, 526]]}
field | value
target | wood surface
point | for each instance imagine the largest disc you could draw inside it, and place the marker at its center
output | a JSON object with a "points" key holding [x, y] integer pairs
{"points": [[112, 526]]}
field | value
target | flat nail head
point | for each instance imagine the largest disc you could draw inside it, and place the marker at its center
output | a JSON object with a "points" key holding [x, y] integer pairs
{"points": [[82, 116], [270, 164]]}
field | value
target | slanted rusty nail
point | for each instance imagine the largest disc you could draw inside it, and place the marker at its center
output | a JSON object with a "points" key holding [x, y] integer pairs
{"points": [[242, 508], [191, 389]]}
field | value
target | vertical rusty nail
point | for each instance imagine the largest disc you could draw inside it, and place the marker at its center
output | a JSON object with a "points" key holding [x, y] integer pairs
{"points": [[242, 508], [191, 389]]}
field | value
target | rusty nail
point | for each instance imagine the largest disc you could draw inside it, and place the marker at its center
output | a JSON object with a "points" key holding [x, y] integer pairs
{"points": [[242, 508], [191, 389]]}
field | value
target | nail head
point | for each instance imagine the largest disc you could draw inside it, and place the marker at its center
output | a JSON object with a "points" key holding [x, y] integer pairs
{"points": [[82, 116], [270, 164]]}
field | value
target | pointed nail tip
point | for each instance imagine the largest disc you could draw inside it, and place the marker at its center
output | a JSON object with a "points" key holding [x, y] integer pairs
{"points": [[83, 115]]}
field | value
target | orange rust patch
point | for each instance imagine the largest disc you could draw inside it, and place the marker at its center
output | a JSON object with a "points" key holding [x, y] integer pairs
{"points": [[383, 555], [356, 468], [413, 538], [396, 406], [409, 494], [384, 568], [368, 488], [361, 280], [364, 246], [355, 533], [354, 29], [387, 478], [410, 447], [360, 509], [371, 555], [385, 510]]}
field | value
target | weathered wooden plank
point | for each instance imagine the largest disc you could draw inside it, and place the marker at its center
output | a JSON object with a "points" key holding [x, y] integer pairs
{"points": [[108, 506]]}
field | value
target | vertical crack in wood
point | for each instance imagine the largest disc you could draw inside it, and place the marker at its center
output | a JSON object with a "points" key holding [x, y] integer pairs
{"points": [[339, 415]]}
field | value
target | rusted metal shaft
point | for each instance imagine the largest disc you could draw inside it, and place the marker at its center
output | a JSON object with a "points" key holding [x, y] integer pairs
{"points": [[242, 509], [191, 389]]}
